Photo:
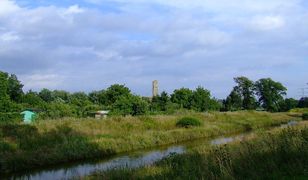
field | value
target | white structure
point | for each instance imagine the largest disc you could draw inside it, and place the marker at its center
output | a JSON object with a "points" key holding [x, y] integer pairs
{"points": [[101, 114], [155, 88]]}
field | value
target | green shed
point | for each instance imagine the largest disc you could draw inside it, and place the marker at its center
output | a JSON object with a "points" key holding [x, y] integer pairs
{"points": [[29, 116]]}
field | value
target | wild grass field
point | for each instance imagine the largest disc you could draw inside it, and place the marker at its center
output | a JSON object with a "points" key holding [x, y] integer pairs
{"points": [[279, 154], [51, 142]]}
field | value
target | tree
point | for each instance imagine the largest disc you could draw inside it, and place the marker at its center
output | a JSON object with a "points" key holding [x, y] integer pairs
{"points": [[130, 105], [33, 99], [46, 95], [201, 99], [234, 101], [303, 102], [98, 97], [270, 93], [287, 104], [160, 102], [245, 87], [114, 92], [15, 88], [60, 94], [182, 97], [4, 97]]}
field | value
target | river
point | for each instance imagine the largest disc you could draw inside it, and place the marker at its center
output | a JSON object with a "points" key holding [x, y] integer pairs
{"points": [[132, 159]]}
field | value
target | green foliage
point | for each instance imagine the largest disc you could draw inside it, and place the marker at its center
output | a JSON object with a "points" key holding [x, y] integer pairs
{"points": [[115, 92], [160, 103], [201, 99], [46, 95], [270, 93], [287, 104], [182, 97], [305, 116], [188, 122], [10, 117], [32, 99], [15, 88], [234, 101], [303, 102], [130, 105], [56, 110], [245, 88]]}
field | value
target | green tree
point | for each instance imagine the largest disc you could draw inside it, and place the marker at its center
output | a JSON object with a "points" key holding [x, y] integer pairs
{"points": [[201, 99], [182, 97], [4, 97], [270, 93], [130, 105], [46, 95], [57, 110], [15, 89], [160, 102], [303, 102], [245, 87], [234, 101], [287, 104], [114, 92], [60, 94], [32, 99], [98, 97]]}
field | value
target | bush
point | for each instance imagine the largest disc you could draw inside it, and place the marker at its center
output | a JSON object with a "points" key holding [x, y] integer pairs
{"points": [[188, 122], [305, 116], [10, 117]]}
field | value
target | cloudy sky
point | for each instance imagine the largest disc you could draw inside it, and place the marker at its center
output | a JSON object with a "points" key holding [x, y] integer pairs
{"points": [[84, 45]]}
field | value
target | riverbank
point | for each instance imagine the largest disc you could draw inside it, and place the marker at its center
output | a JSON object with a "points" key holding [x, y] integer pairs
{"points": [[278, 154], [58, 141]]}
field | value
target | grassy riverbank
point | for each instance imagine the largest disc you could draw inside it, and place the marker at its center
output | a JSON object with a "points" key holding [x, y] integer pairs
{"points": [[57, 141], [280, 154]]}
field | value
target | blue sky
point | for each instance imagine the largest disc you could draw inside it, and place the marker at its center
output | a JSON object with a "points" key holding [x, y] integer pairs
{"points": [[88, 45]]}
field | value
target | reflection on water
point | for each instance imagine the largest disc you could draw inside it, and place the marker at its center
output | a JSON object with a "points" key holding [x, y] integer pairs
{"points": [[131, 160]]}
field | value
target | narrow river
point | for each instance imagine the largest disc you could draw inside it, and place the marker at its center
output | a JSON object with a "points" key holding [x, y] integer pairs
{"points": [[132, 159]]}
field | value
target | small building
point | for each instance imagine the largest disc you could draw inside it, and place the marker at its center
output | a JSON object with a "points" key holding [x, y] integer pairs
{"points": [[101, 114], [28, 116]]}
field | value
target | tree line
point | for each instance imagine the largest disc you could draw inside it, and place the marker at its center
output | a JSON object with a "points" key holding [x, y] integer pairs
{"points": [[246, 95]]}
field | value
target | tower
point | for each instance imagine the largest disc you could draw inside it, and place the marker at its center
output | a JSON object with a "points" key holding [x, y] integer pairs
{"points": [[155, 88]]}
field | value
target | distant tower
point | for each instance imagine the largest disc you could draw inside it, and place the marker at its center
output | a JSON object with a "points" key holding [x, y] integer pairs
{"points": [[155, 88]]}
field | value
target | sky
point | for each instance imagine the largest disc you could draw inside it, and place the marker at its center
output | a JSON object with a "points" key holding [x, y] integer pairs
{"points": [[85, 45]]}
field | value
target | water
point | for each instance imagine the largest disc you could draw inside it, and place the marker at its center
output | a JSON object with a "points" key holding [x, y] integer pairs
{"points": [[131, 160]]}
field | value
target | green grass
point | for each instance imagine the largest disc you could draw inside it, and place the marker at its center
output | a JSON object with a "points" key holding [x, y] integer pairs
{"points": [[188, 122], [282, 154], [57, 141]]}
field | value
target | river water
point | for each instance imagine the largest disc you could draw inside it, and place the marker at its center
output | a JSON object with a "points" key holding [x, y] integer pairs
{"points": [[132, 159]]}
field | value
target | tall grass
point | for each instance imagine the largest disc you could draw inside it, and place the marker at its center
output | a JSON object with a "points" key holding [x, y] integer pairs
{"points": [[57, 141], [278, 155]]}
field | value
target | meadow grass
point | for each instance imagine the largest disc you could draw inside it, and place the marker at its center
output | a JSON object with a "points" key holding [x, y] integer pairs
{"points": [[279, 154], [57, 141]]}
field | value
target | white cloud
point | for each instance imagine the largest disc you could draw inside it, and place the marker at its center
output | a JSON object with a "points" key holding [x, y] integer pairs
{"points": [[183, 43], [266, 23], [42, 80], [8, 7], [75, 9], [9, 37]]}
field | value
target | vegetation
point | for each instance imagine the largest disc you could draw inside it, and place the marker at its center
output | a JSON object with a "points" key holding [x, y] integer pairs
{"points": [[121, 101], [51, 142], [270, 94], [276, 155], [188, 122], [305, 116]]}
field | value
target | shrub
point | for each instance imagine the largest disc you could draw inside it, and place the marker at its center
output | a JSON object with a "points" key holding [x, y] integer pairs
{"points": [[188, 121], [305, 116]]}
